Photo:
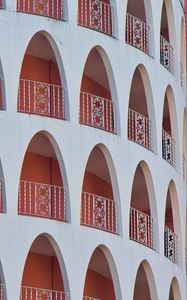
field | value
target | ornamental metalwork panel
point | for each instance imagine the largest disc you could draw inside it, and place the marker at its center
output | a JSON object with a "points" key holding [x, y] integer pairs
{"points": [[43, 294], [138, 33], [142, 227], [140, 129], [99, 212], [96, 14], [168, 148], [169, 248], [42, 200], [166, 54], [41, 7], [42, 98], [97, 107]]}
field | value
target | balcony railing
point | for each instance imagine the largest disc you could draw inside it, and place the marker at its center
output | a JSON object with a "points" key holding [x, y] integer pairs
{"points": [[140, 129], [90, 298], [142, 228], [47, 8], [2, 291], [97, 112], [32, 293], [97, 15], [166, 55], [42, 200], [99, 212], [138, 34], [171, 245], [168, 148], [41, 98]]}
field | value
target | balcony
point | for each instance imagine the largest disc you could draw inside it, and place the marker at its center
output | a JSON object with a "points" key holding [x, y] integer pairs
{"points": [[168, 148], [166, 55], [89, 298], [99, 212], [171, 245], [48, 8], [140, 129], [2, 291], [138, 34], [42, 200], [32, 293], [97, 15], [142, 228], [41, 99], [97, 112]]}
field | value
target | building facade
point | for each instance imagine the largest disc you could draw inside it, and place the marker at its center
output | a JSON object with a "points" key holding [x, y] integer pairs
{"points": [[93, 150]]}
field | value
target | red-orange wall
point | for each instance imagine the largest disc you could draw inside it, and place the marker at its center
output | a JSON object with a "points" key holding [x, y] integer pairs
{"points": [[38, 69], [41, 169], [42, 271], [90, 86], [98, 286]]}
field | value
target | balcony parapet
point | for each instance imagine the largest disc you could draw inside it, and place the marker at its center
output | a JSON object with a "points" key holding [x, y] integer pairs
{"points": [[166, 54], [171, 245], [168, 148], [33, 293]]}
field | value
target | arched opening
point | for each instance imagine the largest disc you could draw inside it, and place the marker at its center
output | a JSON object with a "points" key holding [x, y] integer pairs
{"points": [[183, 55], [138, 26], [99, 282], [41, 91], [172, 226], [98, 15], [142, 218], [174, 293], [55, 9], [145, 287], [169, 129], [167, 36], [141, 112], [42, 276], [41, 190], [96, 106], [99, 209]]}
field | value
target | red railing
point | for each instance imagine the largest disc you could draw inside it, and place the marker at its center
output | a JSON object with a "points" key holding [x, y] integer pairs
{"points": [[142, 228], [99, 212], [171, 245], [138, 34], [47, 8], [90, 298], [2, 291], [42, 200], [140, 129], [96, 15], [32, 293], [97, 112], [166, 55], [41, 98], [168, 148]]}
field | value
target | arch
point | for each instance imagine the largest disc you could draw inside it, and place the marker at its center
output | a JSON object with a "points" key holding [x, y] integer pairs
{"points": [[167, 37], [101, 279], [183, 54], [170, 143], [100, 204], [143, 214], [174, 292], [139, 26], [98, 15], [145, 286], [184, 154], [42, 85], [43, 189], [141, 110], [172, 231], [44, 257], [98, 94]]}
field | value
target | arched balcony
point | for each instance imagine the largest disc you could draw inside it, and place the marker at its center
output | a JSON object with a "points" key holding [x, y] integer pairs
{"points": [[97, 15], [41, 91], [167, 33], [99, 284], [184, 156], [51, 8], [41, 190], [169, 131], [172, 225], [42, 277], [174, 293], [142, 227], [99, 209], [145, 287], [138, 31], [183, 56], [140, 114], [97, 108]]}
